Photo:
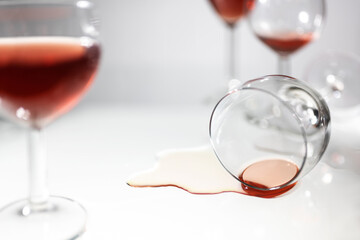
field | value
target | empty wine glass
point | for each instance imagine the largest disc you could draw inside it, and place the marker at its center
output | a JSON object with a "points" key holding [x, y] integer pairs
{"points": [[231, 11], [270, 132], [336, 76], [287, 25], [49, 56]]}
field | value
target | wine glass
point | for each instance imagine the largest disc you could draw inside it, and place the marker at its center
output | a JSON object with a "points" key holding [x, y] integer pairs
{"points": [[49, 56], [335, 75], [270, 132], [231, 11], [287, 25]]}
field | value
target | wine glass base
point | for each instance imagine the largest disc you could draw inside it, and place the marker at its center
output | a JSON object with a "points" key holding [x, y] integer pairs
{"points": [[61, 218]]}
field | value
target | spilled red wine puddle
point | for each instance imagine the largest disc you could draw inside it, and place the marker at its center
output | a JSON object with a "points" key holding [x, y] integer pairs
{"points": [[198, 171]]}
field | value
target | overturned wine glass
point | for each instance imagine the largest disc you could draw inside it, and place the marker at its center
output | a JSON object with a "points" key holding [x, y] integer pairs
{"points": [[270, 132]]}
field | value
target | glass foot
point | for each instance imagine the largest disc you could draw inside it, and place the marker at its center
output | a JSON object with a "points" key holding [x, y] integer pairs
{"points": [[59, 219]]}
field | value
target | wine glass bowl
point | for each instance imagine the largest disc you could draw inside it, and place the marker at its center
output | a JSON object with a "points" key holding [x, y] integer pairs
{"points": [[49, 56], [35, 100], [287, 25], [231, 11], [47, 61], [270, 132]]}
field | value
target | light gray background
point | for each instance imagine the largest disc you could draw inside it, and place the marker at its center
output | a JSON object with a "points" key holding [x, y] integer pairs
{"points": [[174, 51]]}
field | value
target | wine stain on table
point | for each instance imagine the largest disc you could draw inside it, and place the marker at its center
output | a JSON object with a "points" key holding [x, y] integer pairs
{"points": [[198, 171]]}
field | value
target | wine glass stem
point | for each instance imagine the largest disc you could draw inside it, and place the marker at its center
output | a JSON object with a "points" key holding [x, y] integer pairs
{"points": [[284, 65], [232, 49], [37, 168]]}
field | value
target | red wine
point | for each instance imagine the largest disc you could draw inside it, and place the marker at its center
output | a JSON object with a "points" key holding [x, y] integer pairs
{"points": [[268, 174], [232, 10], [43, 77], [198, 171], [35, 12], [286, 44]]}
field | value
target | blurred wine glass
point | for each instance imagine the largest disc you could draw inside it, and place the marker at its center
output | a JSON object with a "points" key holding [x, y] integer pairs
{"points": [[231, 12], [336, 76], [287, 25], [49, 56]]}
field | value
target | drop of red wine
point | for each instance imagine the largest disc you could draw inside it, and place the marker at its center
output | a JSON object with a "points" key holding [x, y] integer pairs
{"points": [[198, 171]]}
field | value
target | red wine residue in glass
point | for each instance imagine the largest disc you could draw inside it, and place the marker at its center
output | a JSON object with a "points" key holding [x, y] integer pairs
{"points": [[286, 44], [232, 10], [267, 174]]}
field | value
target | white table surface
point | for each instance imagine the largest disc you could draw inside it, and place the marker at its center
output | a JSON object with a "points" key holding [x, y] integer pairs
{"points": [[95, 148]]}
